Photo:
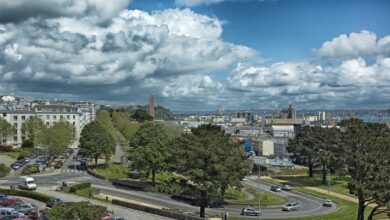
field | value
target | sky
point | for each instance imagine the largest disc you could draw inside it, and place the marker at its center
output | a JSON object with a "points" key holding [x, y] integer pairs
{"points": [[199, 54]]}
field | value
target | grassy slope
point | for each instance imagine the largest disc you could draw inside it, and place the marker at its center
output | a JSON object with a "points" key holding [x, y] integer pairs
{"points": [[113, 171]]}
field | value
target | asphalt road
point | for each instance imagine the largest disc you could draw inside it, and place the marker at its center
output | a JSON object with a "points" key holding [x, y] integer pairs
{"points": [[309, 205]]}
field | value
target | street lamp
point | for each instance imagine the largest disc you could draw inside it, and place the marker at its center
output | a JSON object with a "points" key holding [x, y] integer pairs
{"points": [[258, 187]]}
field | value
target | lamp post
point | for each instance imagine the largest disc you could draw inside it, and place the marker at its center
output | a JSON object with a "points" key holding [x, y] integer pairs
{"points": [[258, 187]]}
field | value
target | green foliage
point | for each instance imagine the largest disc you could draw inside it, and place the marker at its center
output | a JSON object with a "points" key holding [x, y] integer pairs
{"points": [[113, 171], [27, 144], [6, 130], [367, 156], [150, 144], [141, 115], [79, 186], [123, 123], [58, 137], [76, 210], [34, 128], [209, 159], [30, 169], [4, 170], [103, 117], [233, 194], [96, 141], [29, 194]]}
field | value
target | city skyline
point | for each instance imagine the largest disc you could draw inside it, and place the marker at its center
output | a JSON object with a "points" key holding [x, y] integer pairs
{"points": [[199, 54]]}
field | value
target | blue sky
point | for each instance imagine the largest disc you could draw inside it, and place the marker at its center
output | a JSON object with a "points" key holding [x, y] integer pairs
{"points": [[199, 54], [289, 29]]}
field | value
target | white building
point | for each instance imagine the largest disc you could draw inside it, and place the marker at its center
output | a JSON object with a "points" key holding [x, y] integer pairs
{"points": [[268, 147], [283, 131]]}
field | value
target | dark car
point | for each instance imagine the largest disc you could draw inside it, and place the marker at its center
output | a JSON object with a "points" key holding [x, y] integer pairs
{"points": [[3, 196], [83, 165], [26, 208], [250, 211], [52, 202], [16, 166], [276, 188]]}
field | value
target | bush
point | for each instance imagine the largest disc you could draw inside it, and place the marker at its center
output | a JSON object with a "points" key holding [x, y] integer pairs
{"points": [[27, 144], [4, 170], [6, 148], [33, 195], [79, 186], [30, 169]]}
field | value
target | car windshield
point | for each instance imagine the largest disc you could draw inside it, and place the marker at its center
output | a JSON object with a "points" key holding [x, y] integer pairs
{"points": [[30, 182]]}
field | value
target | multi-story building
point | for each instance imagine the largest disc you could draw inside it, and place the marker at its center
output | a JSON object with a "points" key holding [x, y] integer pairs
{"points": [[78, 116]]}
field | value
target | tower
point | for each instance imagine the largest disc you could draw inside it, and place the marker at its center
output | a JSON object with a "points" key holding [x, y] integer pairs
{"points": [[151, 106]]}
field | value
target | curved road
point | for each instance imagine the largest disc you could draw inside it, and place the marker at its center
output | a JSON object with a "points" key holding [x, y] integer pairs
{"points": [[309, 205]]}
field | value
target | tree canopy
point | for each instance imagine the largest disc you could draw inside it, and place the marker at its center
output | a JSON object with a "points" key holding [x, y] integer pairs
{"points": [[141, 115], [96, 141], [6, 130], [58, 137], [150, 149], [34, 127], [210, 160]]}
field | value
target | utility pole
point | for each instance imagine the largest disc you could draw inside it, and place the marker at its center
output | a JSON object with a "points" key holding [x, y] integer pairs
{"points": [[258, 188]]}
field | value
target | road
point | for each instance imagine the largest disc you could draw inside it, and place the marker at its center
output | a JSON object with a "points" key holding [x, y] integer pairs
{"points": [[309, 205]]}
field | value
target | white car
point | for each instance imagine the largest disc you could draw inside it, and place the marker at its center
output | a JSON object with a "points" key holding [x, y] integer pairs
{"points": [[328, 203], [291, 206]]}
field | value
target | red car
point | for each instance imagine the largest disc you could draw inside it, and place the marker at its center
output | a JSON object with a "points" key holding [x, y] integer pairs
{"points": [[8, 201]]}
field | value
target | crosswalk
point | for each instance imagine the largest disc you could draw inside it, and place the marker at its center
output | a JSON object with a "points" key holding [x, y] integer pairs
{"points": [[71, 171]]}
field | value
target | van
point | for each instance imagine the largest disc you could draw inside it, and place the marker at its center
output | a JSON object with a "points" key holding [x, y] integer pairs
{"points": [[27, 183]]}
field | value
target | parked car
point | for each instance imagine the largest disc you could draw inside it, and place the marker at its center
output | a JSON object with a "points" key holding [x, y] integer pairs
{"points": [[250, 211], [286, 188], [328, 203], [276, 188], [7, 201], [291, 206], [3, 196], [10, 212], [83, 165], [26, 208], [16, 203], [16, 165], [52, 202], [117, 218], [58, 165]]}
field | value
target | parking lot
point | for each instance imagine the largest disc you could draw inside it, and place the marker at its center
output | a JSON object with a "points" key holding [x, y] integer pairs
{"points": [[12, 207]]}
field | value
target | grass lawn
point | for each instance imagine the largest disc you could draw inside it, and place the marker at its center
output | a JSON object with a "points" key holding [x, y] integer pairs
{"points": [[114, 171], [161, 177], [337, 184], [347, 210], [265, 198]]}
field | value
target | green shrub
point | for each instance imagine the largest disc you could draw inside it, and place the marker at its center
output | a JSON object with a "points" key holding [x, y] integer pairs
{"points": [[30, 169], [79, 186], [29, 194], [4, 170], [27, 144]]}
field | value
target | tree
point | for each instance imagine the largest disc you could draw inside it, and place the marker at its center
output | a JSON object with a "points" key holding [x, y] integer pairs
{"points": [[306, 145], [210, 160], [58, 137], [4, 170], [141, 115], [96, 141], [6, 130], [33, 128], [76, 210], [367, 157], [150, 144], [103, 117]]}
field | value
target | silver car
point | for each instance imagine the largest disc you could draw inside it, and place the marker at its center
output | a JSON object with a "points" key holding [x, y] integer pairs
{"points": [[26, 208], [250, 211], [291, 206]]}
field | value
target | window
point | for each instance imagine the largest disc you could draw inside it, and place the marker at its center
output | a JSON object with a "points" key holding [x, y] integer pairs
{"points": [[74, 116], [47, 123], [61, 117], [4, 114], [74, 123], [15, 125], [54, 117], [15, 117], [68, 117], [15, 138], [47, 117], [23, 117]]}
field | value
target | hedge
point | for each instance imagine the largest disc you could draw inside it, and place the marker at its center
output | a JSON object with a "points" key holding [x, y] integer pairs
{"points": [[79, 186], [166, 213], [4, 170], [29, 194]]}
